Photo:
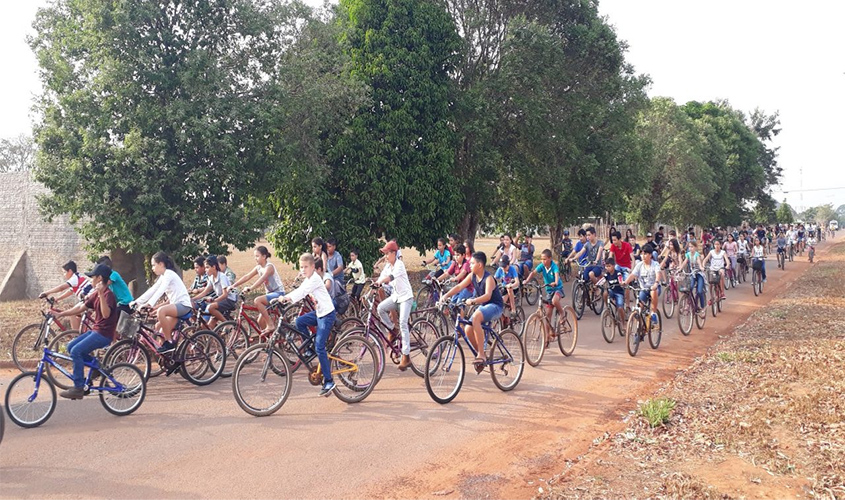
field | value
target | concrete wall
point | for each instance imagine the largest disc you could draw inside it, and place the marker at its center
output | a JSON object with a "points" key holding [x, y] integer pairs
{"points": [[47, 245]]}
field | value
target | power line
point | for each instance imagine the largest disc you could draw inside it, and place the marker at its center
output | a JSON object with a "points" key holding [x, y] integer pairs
{"points": [[812, 189]]}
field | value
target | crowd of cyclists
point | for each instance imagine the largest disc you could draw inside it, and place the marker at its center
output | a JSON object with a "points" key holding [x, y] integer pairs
{"points": [[623, 271]]}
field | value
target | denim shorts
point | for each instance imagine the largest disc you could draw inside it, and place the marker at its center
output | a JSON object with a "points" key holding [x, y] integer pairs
{"points": [[598, 271], [617, 297], [273, 295], [489, 311], [644, 294]]}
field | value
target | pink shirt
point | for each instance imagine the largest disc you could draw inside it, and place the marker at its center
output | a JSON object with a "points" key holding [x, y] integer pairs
{"points": [[731, 248]]}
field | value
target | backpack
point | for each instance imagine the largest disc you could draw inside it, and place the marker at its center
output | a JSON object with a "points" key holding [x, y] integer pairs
{"points": [[340, 298]]}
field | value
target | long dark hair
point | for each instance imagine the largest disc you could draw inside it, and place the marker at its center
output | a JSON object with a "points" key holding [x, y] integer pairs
{"points": [[320, 243], [161, 257]]}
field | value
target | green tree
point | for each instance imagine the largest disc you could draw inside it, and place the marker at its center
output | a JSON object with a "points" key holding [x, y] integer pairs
{"points": [[784, 213], [159, 122], [824, 214], [764, 209], [17, 153]]}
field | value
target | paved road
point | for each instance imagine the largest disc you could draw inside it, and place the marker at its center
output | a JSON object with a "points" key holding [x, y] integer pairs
{"points": [[195, 442]]}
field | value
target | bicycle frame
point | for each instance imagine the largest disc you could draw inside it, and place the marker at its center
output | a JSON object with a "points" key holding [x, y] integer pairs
{"points": [[460, 333], [47, 359], [308, 343]]}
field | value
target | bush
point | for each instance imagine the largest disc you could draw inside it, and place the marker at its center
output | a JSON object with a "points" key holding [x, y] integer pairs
{"points": [[657, 411]]}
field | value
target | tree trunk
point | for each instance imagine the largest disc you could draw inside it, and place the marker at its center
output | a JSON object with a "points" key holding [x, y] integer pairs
{"points": [[468, 227], [132, 268], [556, 238]]}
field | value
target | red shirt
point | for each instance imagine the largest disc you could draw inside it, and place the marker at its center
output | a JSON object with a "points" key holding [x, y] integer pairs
{"points": [[104, 326], [622, 254]]}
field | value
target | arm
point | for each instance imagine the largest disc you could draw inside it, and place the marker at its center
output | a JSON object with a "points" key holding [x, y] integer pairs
{"points": [[578, 254], [105, 309], [489, 286], [63, 286], [245, 278], [339, 269], [152, 295], [208, 288], [270, 272], [73, 311], [457, 288]]}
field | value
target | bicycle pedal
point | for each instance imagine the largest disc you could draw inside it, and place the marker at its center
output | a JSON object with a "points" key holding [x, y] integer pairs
{"points": [[172, 369]]}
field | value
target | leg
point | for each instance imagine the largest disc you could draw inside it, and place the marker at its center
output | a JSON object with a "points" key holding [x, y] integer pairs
{"points": [[216, 315], [261, 304], [654, 295], [80, 351], [511, 301], [722, 281], [699, 286], [167, 318], [476, 335], [303, 322], [404, 327], [324, 327], [75, 322], [384, 308]]}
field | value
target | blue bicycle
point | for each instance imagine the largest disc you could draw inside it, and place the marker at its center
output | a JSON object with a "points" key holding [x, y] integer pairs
{"points": [[445, 366], [29, 404]]}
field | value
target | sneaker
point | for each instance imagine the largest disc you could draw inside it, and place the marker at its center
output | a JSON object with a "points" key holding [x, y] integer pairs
{"points": [[328, 387], [167, 346], [75, 393], [764, 281]]}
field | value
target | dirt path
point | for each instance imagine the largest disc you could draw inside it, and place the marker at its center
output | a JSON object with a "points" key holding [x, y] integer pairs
{"points": [[195, 442]]}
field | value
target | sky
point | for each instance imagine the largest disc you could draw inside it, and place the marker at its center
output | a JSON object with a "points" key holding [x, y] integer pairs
{"points": [[774, 55]]}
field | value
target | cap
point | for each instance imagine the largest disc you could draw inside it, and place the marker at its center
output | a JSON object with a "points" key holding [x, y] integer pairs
{"points": [[391, 246], [504, 260], [649, 235], [100, 270], [566, 232]]}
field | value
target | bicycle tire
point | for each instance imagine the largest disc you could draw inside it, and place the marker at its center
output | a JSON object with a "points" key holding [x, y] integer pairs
{"points": [[596, 300], [608, 327], [669, 303], [578, 299], [201, 354], [534, 338], [567, 335], [2, 423], [424, 297], [654, 336], [252, 374], [510, 351], [27, 347], [354, 386], [518, 323], [423, 334], [381, 354], [445, 358], [132, 379], [21, 405], [701, 316], [686, 313], [235, 340], [632, 333], [59, 345], [532, 293], [129, 351], [714, 298]]}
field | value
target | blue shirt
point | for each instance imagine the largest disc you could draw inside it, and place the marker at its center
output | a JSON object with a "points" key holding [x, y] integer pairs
{"points": [[511, 275], [444, 258], [119, 288], [549, 276], [582, 260], [335, 261]]}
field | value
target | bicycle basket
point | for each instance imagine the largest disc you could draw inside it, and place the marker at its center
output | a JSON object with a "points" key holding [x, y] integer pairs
{"points": [[757, 265], [713, 277], [128, 325], [685, 284]]}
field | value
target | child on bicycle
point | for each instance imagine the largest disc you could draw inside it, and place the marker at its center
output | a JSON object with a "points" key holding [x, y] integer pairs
{"points": [[225, 269], [526, 256], [401, 298], [74, 284], [359, 277], [693, 259], [442, 256], [551, 278], [649, 276], [614, 278], [200, 282], [178, 301], [509, 276], [758, 253], [323, 317], [489, 299], [217, 283], [718, 260], [267, 276], [104, 304]]}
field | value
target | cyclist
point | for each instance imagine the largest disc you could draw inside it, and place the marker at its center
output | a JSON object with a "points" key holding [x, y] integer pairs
{"points": [[267, 276], [509, 276], [509, 248], [200, 283], [225, 269], [178, 301], [323, 317], [649, 276], [526, 256], [118, 286], [220, 302], [811, 243], [781, 242], [718, 261], [402, 299], [759, 255], [693, 262], [334, 262], [622, 253], [356, 269], [459, 270], [74, 284], [551, 279], [742, 249], [490, 302], [104, 304], [566, 245], [732, 248], [800, 238], [594, 254], [614, 279], [442, 256]]}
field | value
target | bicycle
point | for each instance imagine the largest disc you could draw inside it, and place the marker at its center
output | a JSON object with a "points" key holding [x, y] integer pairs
{"points": [[26, 352], [261, 379], [782, 258], [445, 359], [585, 292], [199, 356], [811, 253], [422, 335], [431, 291], [638, 326], [715, 292], [121, 388], [538, 331], [565, 268], [688, 304], [671, 296], [757, 277], [611, 319], [531, 290], [791, 251], [742, 263], [515, 321]]}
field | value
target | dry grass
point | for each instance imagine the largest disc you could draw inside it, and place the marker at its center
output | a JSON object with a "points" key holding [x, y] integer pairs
{"points": [[759, 417]]}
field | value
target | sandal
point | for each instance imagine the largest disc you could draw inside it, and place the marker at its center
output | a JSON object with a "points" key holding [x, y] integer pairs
{"points": [[479, 364]]}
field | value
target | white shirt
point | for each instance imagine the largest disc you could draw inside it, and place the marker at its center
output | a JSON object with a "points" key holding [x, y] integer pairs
{"points": [[742, 247], [401, 285], [219, 284], [315, 287], [169, 284], [792, 236], [758, 252], [717, 260]]}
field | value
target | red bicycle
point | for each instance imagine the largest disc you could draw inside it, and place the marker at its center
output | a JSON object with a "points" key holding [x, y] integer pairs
{"points": [[27, 347]]}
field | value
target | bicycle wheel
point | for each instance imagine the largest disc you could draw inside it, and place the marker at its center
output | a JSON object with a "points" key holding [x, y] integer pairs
{"points": [[567, 331], [686, 311], [203, 357], [532, 293], [608, 325], [27, 347], [669, 299], [655, 333], [714, 299], [424, 298], [578, 299], [632, 333], [534, 338], [235, 339], [129, 351], [423, 334], [567, 272], [124, 391], [25, 412], [59, 346], [350, 323], [507, 360], [261, 380], [518, 322], [353, 363], [445, 368], [377, 345], [701, 315], [596, 300]]}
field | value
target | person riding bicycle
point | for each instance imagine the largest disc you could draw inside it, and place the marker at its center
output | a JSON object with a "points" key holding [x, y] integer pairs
{"points": [[489, 299], [526, 256], [442, 256], [459, 270], [811, 243], [551, 279], [323, 317], [732, 249], [359, 277], [566, 245], [509, 276], [118, 286], [622, 253], [743, 249], [614, 279], [394, 272], [649, 276], [759, 255], [693, 261], [74, 284], [267, 276], [219, 301], [104, 304], [178, 301], [593, 250], [718, 260], [781, 242]]}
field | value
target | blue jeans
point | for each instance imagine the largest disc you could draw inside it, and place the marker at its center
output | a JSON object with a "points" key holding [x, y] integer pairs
{"points": [[699, 288], [324, 327], [80, 349]]}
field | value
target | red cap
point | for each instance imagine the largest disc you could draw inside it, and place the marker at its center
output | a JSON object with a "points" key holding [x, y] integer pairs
{"points": [[391, 246]]}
